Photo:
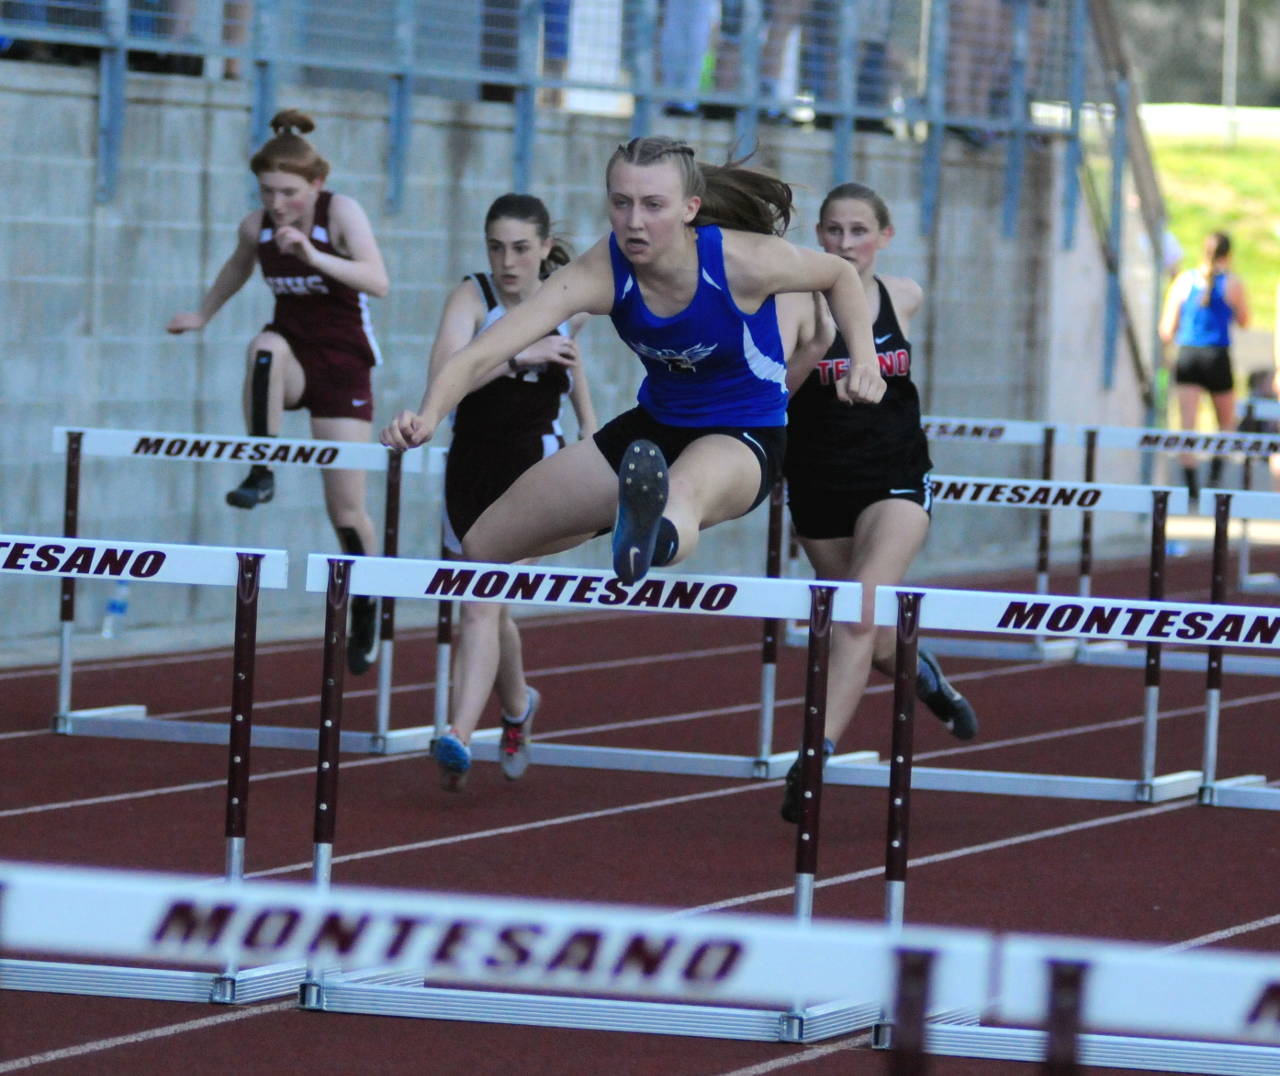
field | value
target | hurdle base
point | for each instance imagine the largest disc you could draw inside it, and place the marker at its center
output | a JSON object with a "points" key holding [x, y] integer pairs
{"points": [[69, 722], [390, 993], [1247, 790], [1133, 657], [844, 770], [1103, 1050], [153, 984], [120, 723], [1260, 583]]}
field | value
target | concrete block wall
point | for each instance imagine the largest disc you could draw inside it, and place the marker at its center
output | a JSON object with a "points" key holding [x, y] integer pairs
{"points": [[87, 289]]}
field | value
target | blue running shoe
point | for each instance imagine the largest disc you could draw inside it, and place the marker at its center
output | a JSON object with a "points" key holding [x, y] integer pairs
{"points": [[946, 703], [642, 495], [454, 759]]}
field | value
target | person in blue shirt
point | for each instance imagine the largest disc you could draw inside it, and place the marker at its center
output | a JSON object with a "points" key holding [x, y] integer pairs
{"points": [[1199, 307], [701, 286]]}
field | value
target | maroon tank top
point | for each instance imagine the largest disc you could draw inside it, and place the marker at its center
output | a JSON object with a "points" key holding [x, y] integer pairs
{"points": [[312, 308]]}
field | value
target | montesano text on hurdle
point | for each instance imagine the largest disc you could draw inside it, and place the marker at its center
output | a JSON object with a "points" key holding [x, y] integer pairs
{"points": [[81, 559], [248, 449], [561, 953]]}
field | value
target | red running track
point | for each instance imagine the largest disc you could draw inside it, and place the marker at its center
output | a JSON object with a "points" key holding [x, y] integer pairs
{"points": [[1172, 873]]}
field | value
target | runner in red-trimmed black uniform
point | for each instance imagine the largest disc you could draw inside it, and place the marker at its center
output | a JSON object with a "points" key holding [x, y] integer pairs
{"points": [[320, 259], [857, 474]]}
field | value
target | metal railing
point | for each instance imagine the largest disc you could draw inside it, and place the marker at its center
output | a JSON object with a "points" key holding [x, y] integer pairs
{"points": [[997, 76]]}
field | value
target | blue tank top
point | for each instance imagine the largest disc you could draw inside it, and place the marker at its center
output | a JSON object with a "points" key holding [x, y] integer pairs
{"points": [[710, 364], [1206, 326]]}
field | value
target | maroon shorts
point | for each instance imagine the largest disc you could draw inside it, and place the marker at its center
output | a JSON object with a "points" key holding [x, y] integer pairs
{"points": [[339, 383]]}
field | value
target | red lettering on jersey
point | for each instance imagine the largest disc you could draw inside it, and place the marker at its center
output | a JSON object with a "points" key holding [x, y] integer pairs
{"points": [[895, 363], [832, 370]]}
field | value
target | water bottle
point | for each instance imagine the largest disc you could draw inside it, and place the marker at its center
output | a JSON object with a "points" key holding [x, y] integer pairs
{"points": [[117, 606]]}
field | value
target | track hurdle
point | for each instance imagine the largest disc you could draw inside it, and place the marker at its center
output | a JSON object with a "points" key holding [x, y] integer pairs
{"points": [[247, 570], [823, 603], [580, 589], [1099, 1002], [78, 442]]}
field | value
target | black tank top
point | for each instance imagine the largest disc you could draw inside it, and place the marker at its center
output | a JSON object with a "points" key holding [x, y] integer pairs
{"points": [[863, 446], [513, 405]]}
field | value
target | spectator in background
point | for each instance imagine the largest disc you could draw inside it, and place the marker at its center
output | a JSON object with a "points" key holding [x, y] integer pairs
{"points": [[977, 53], [1199, 307], [820, 59], [781, 18], [500, 45], [682, 52]]}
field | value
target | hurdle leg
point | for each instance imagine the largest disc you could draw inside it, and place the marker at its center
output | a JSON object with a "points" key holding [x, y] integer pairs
{"points": [[67, 593], [239, 738], [1151, 686], [444, 658], [1044, 540], [812, 759], [1085, 588], [1066, 987], [1213, 674], [901, 750], [769, 644], [387, 608], [905, 1035], [330, 735]]}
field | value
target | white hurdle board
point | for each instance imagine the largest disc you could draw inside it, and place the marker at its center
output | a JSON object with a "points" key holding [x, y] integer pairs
{"points": [[240, 450], [593, 589], [219, 448], [658, 970], [147, 562]]}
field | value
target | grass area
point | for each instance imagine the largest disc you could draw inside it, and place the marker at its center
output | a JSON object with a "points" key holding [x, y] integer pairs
{"points": [[1209, 186]]}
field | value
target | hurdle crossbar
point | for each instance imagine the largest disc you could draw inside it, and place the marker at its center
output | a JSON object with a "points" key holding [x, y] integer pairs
{"points": [[78, 442], [691, 974], [583, 589], [247, 571]]}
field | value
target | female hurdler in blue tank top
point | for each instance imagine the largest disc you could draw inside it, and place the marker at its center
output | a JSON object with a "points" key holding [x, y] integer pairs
{"points": [[701, 321], [1198, 311]]}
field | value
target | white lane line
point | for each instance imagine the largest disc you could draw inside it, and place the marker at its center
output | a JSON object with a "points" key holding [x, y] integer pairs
{"points": [[812, 1053], [425, 685], [523, 827], [692, 715], [943, 857], [1226, 934], [20, 1064], [293, 646]]}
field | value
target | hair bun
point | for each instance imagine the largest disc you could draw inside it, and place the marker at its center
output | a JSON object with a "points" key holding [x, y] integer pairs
{"points": [[290, 120]]}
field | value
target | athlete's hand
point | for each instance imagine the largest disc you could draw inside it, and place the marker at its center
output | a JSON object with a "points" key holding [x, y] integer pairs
{"points": [[290, 240], [407, 430], [561, 350], [862, 384], [181, 323]]}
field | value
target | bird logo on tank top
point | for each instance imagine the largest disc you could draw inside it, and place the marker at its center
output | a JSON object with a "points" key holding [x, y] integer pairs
{"points": [[684, 361]]}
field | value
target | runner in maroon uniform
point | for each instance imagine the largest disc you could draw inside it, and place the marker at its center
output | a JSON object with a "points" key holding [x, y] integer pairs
{"points": [[858, 476], [500, 430], [320, 259]]}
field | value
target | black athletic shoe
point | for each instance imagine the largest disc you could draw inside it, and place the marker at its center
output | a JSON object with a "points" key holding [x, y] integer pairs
{"points": [[790, 809], [642, 495], [946, 703], [258, 488], [362, 640]]}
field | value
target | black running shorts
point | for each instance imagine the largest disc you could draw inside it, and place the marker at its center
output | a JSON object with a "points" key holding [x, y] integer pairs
{"points": [[769, 443], [1208, 367], [819, 512]]}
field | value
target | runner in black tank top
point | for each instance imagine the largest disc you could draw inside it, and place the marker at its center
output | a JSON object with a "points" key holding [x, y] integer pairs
{"points": [[320, 259], [500, 429], [857, 475]]}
